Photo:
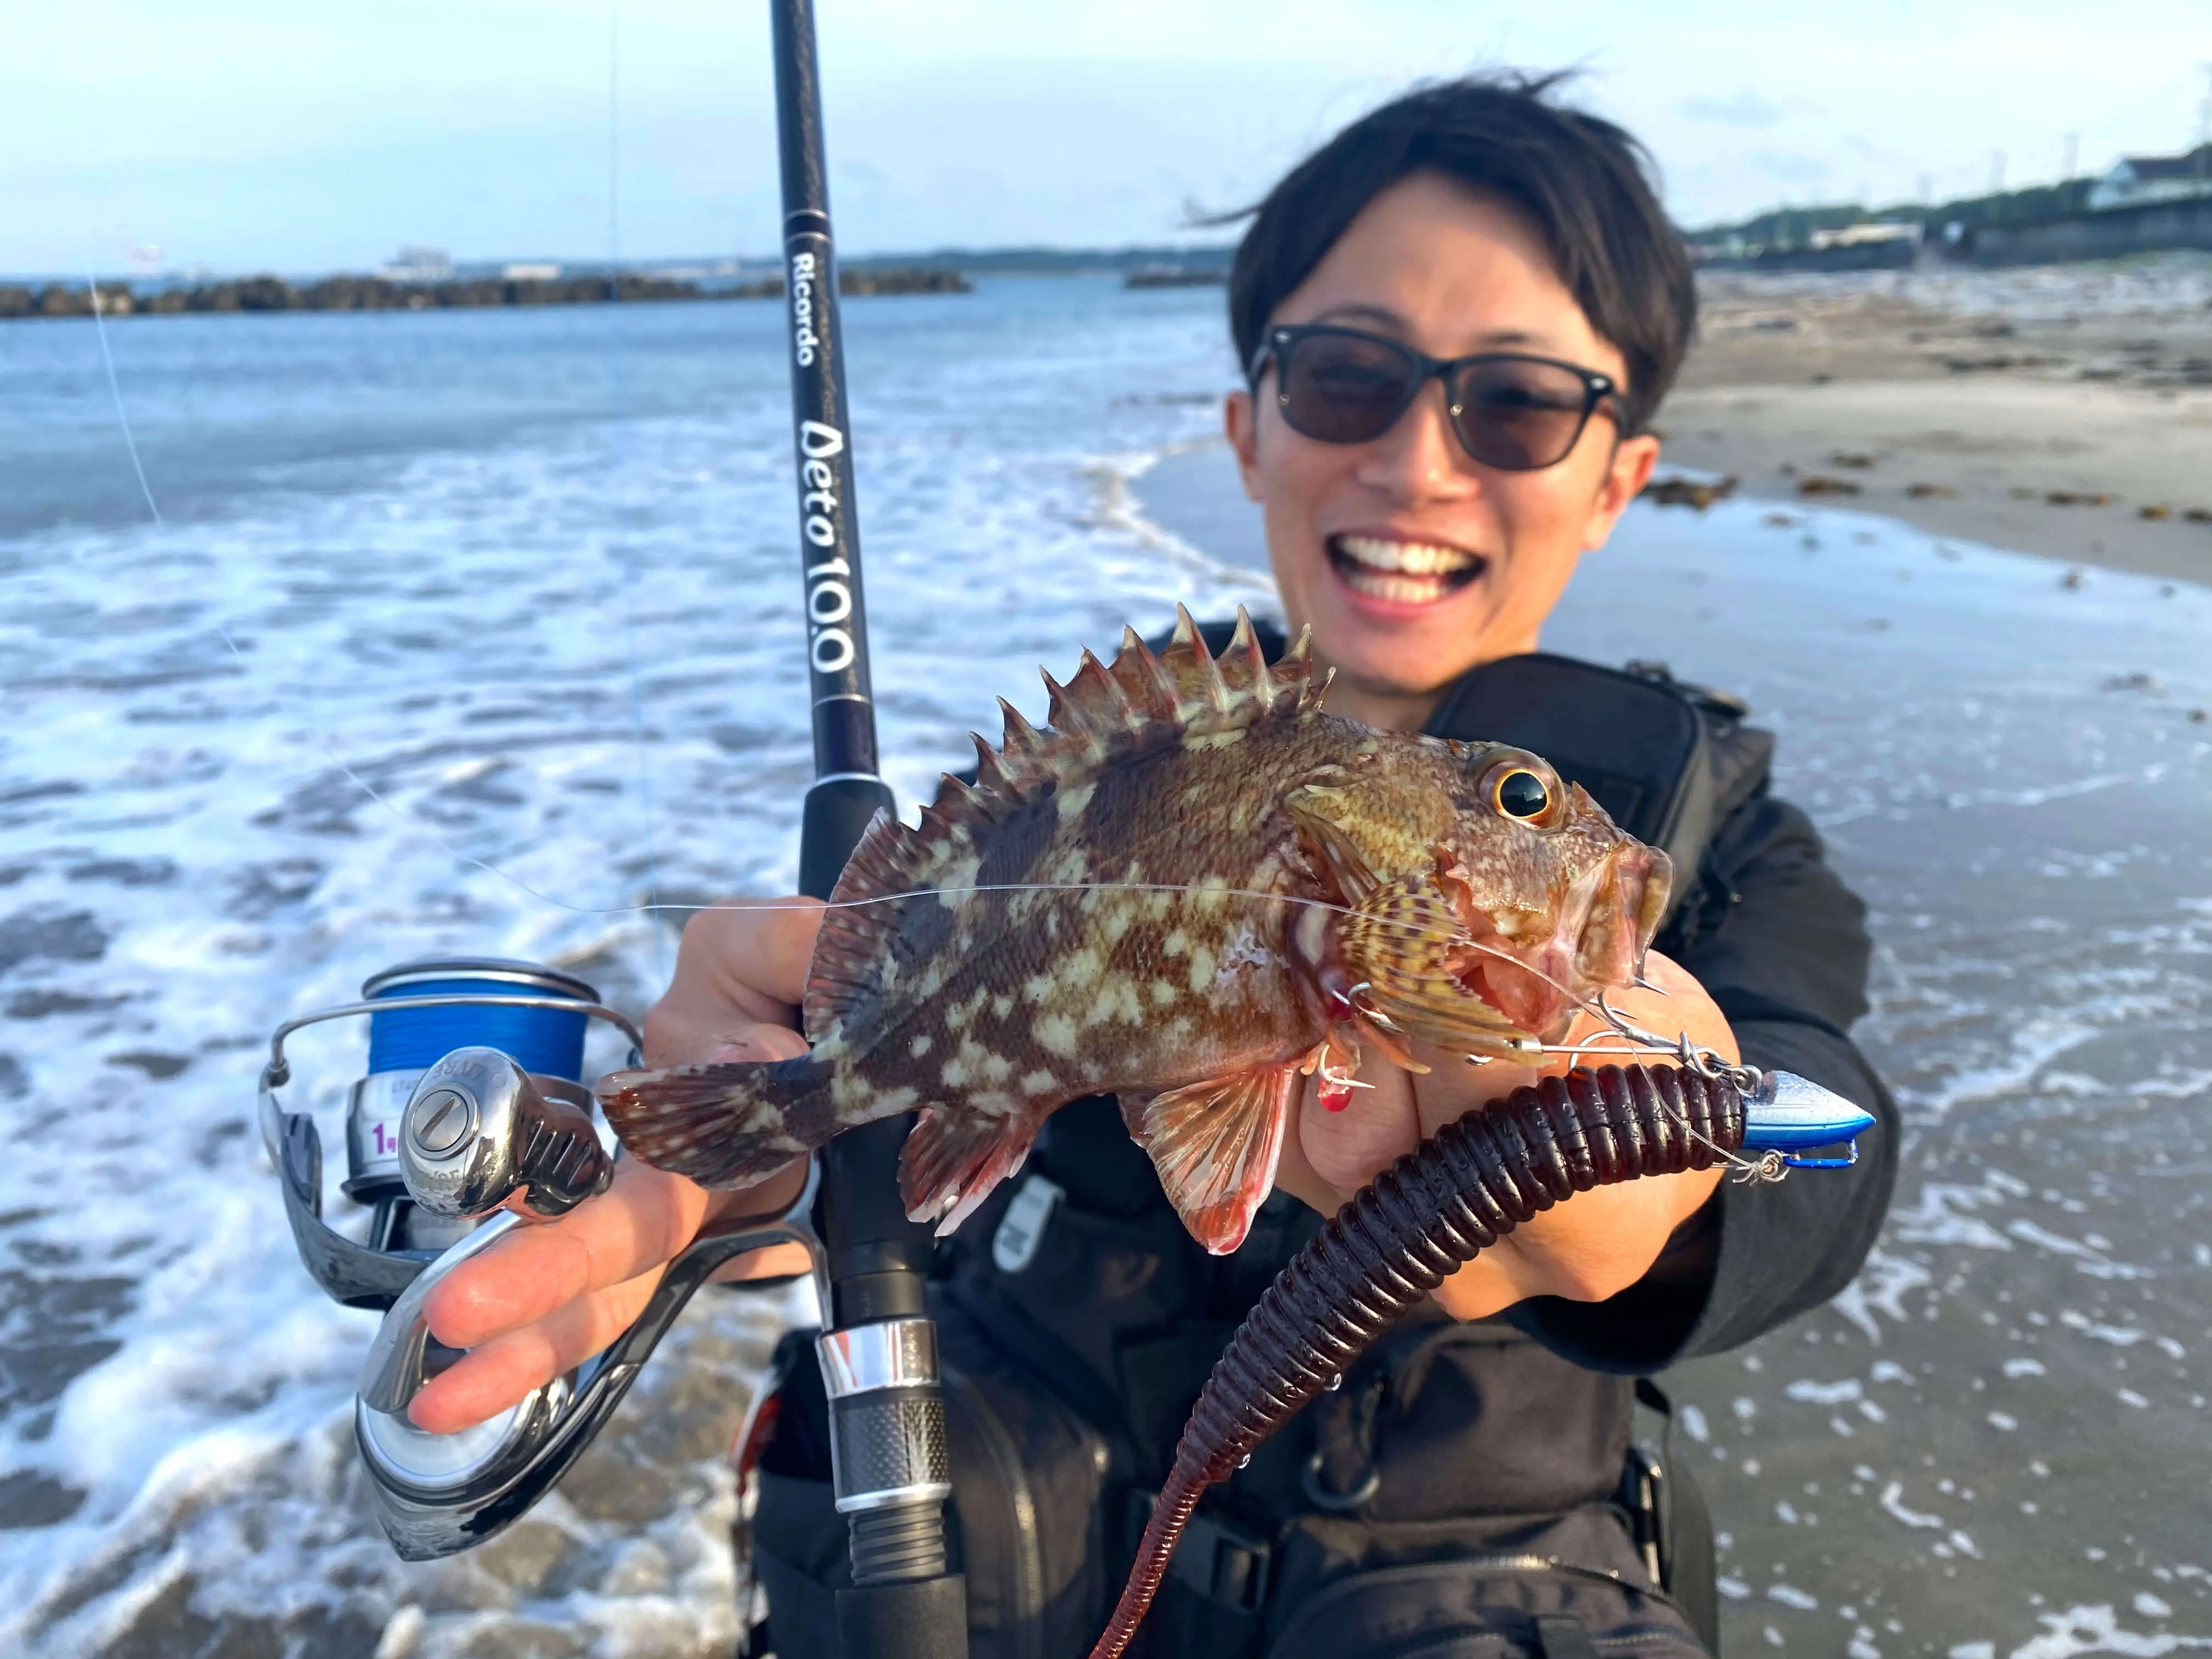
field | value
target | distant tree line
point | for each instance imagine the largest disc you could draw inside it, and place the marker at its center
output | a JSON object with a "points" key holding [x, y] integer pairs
{"points": [[1793, 228]]}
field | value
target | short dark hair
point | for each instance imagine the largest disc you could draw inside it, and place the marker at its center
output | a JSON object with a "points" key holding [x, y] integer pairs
{"points": [[1584, 182]]}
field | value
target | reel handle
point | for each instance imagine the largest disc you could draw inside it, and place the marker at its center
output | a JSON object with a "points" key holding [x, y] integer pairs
{"points": [[481, 1135]]}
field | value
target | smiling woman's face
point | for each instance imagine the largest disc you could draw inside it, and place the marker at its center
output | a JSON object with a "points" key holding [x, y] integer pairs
{"points": [[1411, 561]]}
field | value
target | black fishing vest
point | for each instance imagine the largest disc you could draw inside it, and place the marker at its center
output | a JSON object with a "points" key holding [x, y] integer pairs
{"points": [[1077, 1320]]}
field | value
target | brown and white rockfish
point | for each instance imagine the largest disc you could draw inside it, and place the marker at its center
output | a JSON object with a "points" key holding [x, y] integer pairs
{"points": [[1193, 890]]}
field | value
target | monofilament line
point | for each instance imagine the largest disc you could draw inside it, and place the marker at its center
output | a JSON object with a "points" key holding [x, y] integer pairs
{"points": [[122, 415]]}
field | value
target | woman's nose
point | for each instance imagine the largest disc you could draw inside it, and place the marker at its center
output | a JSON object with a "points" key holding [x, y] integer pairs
{"points": [[1420, 457]]}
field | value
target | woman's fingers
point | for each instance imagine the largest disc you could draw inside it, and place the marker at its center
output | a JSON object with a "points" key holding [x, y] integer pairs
{"points": [[1595, 1245], [1588, 1247], [777, 1261], [1345, 1148], [741, 964], [641, 1220], [495, 1376]]}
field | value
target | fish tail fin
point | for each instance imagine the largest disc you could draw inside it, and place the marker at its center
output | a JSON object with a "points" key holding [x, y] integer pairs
{"points": [[723, 1126]]}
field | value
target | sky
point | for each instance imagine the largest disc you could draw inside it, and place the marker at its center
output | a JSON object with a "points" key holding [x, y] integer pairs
{"points": [[246, 135]]}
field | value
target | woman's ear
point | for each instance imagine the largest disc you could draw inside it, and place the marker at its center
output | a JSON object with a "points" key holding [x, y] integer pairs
{"points": [[1240, 424], [1625, 474]]}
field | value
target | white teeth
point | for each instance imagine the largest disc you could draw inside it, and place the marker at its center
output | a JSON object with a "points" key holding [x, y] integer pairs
{"points": [[1401, 590], [1410, 558]]}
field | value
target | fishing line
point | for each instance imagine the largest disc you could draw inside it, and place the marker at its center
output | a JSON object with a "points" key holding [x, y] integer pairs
{"points": [[122, 417], [322, 739], [409, 825], [1706, 1062]]}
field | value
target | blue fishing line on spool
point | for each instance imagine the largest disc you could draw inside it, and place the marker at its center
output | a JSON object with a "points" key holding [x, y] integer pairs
{"points": [[547, 1041]]}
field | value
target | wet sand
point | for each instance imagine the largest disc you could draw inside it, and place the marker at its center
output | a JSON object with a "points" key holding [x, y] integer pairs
{"points": [[2049, 417]]}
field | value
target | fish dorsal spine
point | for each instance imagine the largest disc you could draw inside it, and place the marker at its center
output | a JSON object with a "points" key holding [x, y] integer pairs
{"points": [[1141, 702]]}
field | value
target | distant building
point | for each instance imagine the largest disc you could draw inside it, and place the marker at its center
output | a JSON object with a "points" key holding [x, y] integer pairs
{"points": [[535, 270], [419, 264], [1864, 235], [2136, 179]]}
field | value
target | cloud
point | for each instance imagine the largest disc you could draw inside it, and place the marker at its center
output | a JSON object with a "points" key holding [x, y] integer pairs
{"points": [[1744, 109]]}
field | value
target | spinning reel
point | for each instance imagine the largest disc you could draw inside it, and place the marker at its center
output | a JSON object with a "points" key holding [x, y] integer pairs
{"points": [[472, 1120]]}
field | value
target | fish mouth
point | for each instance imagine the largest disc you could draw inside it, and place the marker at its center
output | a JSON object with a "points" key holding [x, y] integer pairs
{"points": [[1538, 972], [1402, 569]]}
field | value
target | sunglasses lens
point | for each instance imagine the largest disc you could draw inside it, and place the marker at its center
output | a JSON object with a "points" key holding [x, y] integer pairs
{"points": [[1344, 388], [1519, 415]]}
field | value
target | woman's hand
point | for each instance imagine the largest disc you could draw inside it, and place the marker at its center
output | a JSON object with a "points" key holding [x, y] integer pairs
{"points": [[547, 1297], [1595, 1244]]}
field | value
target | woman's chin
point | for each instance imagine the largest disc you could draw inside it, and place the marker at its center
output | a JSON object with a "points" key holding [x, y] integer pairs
{"points": [[1396, 647]]}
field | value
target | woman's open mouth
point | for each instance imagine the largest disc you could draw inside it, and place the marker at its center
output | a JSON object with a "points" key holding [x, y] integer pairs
{"points": [[1401, 572]]}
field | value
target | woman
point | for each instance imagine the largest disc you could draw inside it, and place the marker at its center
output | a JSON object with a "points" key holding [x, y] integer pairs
{"points": [[1458, 319]]}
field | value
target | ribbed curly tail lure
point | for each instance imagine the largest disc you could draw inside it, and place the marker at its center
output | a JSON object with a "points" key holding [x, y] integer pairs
{"points": [[1452, 1196]]}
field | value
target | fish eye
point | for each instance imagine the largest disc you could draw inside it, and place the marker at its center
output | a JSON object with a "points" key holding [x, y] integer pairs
{"points": [[1521, 794]]}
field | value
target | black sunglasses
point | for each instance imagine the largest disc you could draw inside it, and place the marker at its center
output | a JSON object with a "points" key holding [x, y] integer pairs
{"points": [[1515, 412]]}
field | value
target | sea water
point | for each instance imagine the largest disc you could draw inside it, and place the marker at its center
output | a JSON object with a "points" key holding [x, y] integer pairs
{"points": [[480, 632]]}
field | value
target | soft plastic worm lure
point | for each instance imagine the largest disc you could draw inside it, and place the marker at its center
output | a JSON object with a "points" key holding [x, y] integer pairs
{"points": [[1452, 1196]]}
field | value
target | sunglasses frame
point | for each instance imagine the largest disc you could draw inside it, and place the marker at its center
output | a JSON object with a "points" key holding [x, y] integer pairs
{"points": [[1280, 341]]}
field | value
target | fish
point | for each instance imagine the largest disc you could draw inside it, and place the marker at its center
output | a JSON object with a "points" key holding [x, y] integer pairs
{"points": [[1192, 889]]}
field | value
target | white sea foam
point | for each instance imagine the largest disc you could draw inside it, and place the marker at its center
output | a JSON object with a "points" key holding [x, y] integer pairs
{"points": [[194, 854]]}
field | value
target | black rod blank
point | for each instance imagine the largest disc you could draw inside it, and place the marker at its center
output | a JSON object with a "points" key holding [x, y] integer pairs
{"points": [[902, 1605]]}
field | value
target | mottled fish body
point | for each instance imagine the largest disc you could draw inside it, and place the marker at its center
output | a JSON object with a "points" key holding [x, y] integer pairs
{"points": [[1192, 891]]}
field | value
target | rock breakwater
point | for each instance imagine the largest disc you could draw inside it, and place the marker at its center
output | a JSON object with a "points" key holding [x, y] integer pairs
{"points": [[379, 294]]}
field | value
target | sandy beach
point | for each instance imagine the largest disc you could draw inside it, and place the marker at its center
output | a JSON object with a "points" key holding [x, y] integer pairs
{"points": [[2066, 412]]}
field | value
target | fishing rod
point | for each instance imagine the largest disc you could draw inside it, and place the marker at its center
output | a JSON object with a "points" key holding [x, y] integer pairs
{"points": [[890, 1462], [473, 1118]]}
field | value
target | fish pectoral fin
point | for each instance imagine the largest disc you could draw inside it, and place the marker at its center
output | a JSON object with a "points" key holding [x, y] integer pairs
{"points": [[954, 1156], [1216, 1144], [1404, 944]]}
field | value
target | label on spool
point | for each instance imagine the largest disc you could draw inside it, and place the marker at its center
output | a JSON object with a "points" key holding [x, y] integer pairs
{"points": [[378, 1104]]}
